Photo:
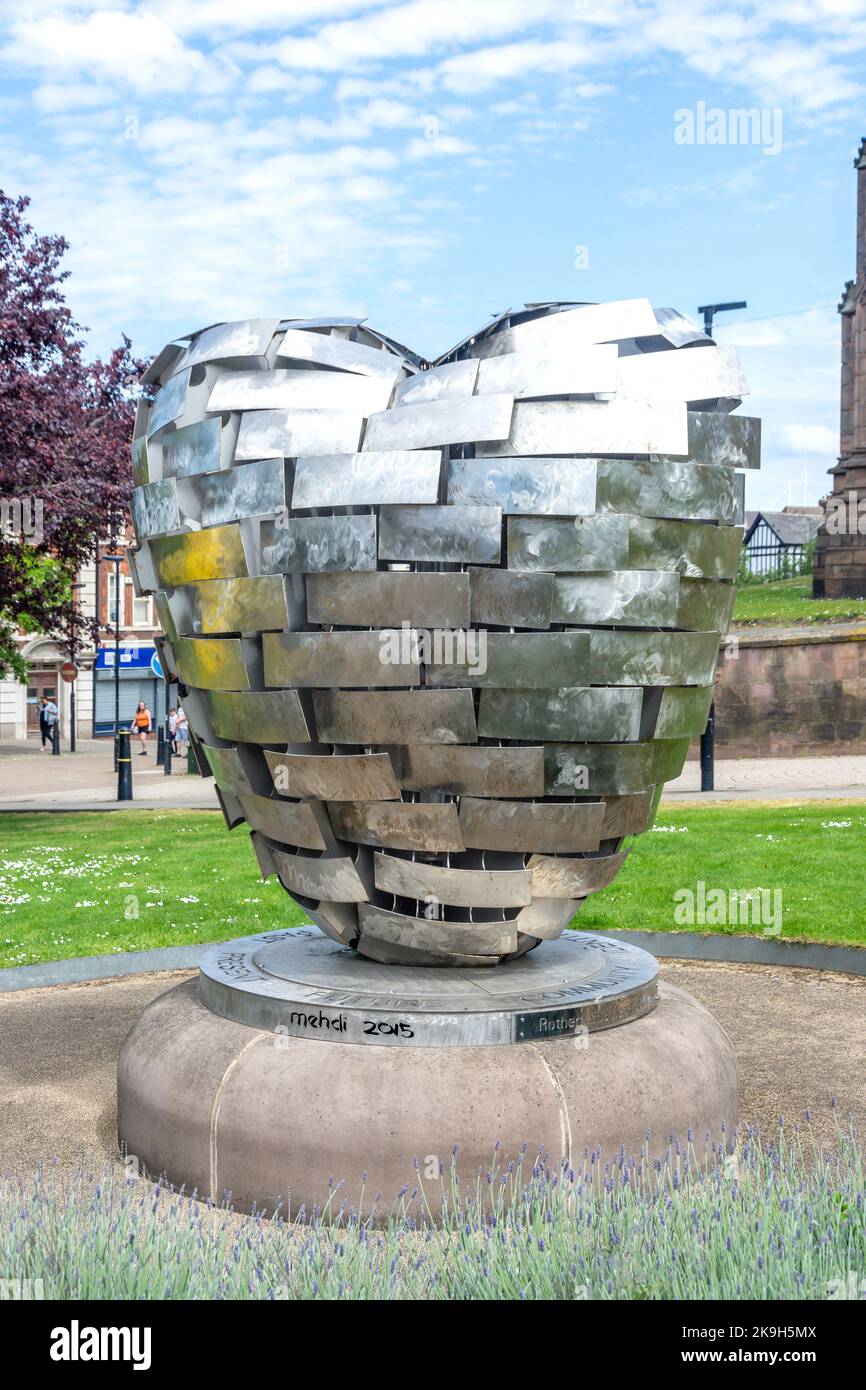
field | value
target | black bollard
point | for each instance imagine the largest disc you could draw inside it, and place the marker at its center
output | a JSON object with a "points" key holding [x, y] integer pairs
{"points": [[191, 762], [166, 762], [124, 769], [55, 738], [160, 746], [708, 742]]}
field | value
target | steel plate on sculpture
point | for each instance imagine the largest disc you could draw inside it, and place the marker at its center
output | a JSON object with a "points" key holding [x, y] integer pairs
{"points": [[443, 630]]}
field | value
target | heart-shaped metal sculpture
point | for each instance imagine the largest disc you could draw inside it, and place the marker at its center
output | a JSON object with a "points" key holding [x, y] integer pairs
{"points": [[443, 631]]}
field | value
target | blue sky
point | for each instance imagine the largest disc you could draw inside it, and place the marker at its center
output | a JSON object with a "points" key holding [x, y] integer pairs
{"points": [[430, 162]]}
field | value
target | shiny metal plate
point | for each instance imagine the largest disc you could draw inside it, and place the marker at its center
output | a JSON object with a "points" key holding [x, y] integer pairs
{"points": [[192, 449], [434, 423], [435, 883], [583, 543], [430, 826], [630, 814], [217, 553], [387, 599], [328, 879], [211, 663], [411, 716], [507, 598], [164, 615], [618, 426], [226, 342], [318, 544], [292, 433], [155, 509], [705, 604], [561, 877], [451, 381], [352, 480], [680, 491], [228, 770], [567, 714], [328, 659], [562, 333], [525, 375], [254, 489], [285, 389], [629, 598], [683, 712], [169, 403], [734, 441], [256, 716], [653, 658], [340, 777], [327, 350], [513, 661], [446, 938], [597, 769], [287, 822], [525, 486], [140, 461], [459, 535], [544, 918], [697, 551], [249, 605], [703, 373], [547, 827], [472, 771]]}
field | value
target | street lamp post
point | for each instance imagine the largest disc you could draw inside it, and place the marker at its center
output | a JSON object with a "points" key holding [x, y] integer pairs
{"points": [[708, 737], [117, 561], [73, 654]]}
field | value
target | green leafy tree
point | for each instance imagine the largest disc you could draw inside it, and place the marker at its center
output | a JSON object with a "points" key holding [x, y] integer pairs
{"points": [[65, 426]]}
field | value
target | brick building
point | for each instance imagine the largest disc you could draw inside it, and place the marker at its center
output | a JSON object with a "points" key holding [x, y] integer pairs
{"points": [[840, 549], [95, 687]]}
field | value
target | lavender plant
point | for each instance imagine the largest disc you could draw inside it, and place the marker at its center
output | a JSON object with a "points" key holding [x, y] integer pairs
{"points": [[767, 1220]]}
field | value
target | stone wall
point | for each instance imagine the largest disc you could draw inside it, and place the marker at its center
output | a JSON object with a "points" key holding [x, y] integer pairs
{"points": [[792, 693]]}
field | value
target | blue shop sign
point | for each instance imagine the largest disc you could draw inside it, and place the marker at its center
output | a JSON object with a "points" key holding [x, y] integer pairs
{"points": [[132, 658]]}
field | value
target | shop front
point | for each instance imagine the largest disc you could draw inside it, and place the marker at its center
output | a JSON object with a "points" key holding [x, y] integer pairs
{"points": [[139, 678]]}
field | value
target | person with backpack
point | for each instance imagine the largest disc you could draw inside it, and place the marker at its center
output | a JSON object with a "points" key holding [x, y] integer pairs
{"points": [[141, 725]]}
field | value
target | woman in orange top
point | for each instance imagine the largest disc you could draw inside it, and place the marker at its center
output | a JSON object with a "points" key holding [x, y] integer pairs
{"points": [[141, 725]]}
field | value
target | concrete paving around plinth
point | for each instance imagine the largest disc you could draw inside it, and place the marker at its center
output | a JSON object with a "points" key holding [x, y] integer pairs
{"points": [[799, 1036]]}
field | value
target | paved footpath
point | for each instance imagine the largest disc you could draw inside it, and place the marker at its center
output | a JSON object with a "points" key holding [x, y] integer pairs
{"points": [[31, 780], [86, 781]]}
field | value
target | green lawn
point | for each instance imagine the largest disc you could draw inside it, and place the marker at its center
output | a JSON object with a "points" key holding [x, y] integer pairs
{"points": [[790, 601], [103, 882]]}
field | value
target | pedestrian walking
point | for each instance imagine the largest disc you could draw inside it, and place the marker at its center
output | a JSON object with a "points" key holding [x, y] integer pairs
{"points": [[141, 725], [172, 730], [181, 726], [48, 717]]}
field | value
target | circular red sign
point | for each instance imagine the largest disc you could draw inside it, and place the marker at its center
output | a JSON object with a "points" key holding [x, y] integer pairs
{"points": [[68, 671]]}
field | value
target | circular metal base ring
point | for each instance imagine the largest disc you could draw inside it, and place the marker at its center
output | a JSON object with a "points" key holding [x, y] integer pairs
{"points": [[300, 983]]}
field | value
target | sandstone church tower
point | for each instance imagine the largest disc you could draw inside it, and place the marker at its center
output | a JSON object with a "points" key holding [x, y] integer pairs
{"points": [[840, 551]]}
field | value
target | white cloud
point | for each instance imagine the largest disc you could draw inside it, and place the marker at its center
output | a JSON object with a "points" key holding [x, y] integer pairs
{"points": [[138, 50], [811, 439]]}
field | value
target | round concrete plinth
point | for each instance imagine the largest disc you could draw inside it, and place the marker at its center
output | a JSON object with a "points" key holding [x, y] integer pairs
{"points": [[219, 1106]]}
